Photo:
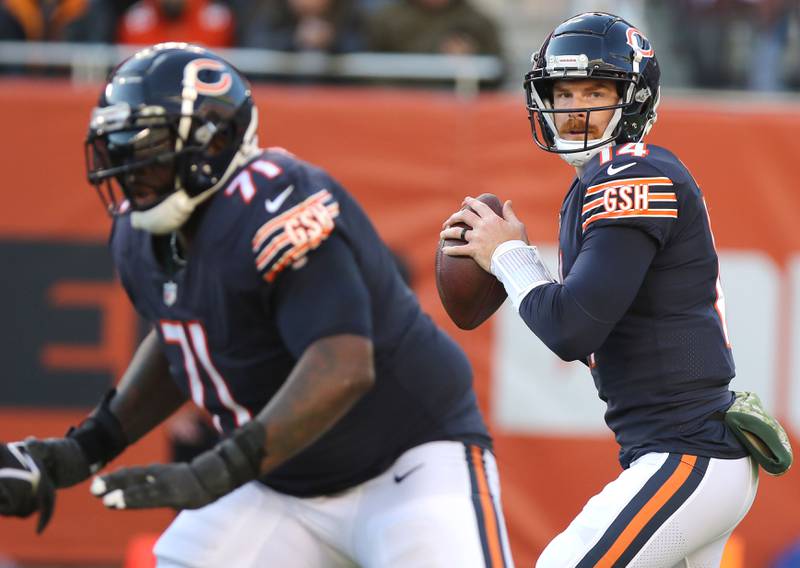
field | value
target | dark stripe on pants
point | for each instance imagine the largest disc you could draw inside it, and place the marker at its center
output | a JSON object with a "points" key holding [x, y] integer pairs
{"points": [[665, 491], [485, 511], [680, 497]]}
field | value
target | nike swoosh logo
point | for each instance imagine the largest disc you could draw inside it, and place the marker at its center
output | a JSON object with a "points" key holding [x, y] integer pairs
{"points": [[614, 171], [399, 478], [273, 205]]}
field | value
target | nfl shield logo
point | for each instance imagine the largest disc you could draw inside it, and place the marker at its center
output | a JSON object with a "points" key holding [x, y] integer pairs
{"points": [[170, 293]]}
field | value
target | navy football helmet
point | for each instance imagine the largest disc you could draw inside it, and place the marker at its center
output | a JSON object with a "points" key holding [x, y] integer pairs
{"points": [[172, 124], [594, 45]]}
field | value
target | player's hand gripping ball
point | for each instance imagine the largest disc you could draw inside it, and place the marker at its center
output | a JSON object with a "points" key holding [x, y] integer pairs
{"points": [[469, 294]]}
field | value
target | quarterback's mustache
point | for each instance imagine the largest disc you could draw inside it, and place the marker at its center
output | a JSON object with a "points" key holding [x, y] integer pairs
{"points": [[577, 127]]}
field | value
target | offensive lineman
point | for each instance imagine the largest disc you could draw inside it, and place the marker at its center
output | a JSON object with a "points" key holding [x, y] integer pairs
{"points": [[354, 437], [638, 300]]}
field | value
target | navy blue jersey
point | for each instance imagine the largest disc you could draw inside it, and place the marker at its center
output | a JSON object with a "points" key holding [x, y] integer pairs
{"points": [[281, 258], [663, 362]]}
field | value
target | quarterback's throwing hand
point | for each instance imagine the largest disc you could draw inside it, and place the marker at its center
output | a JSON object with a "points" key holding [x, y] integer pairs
{"points": [[24, 485], [487, 231]]}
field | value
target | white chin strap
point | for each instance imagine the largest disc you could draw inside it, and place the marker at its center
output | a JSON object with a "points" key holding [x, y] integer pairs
{"points": [[175, 210]]}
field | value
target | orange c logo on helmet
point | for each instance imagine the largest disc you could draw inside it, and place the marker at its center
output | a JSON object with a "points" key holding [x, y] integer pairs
{"points": [[637, 41], [219, 87]]}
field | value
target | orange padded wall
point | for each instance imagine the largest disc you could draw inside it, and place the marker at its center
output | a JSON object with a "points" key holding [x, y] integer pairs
{"points": [[409, 157]]}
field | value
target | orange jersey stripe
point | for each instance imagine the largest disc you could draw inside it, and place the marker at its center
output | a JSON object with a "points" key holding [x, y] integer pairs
{"points": [[280, 241], [661, 197], [630, 181], [274, 224], [288, 257], [294, 254], [667, 213], [268, 254], [592, 204], [490, 520], [650, 197], [646, 513], [271, 250]]}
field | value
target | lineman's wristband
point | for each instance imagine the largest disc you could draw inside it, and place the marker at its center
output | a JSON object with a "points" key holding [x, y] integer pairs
{"points": [[233, 462], [520, 268], [243, 451], [100, 436]]}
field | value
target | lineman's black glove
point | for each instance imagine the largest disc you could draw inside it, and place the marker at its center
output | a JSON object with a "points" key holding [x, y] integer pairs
{"points": [[61, 458], [24, 486], [217, 472], [32, 470]]}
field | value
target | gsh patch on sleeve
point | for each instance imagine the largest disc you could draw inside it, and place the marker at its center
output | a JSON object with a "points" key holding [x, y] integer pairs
{"points": [[286, 239]]}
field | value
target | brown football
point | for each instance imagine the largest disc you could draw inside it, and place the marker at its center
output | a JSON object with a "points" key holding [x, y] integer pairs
{"points": [[469, 294]]}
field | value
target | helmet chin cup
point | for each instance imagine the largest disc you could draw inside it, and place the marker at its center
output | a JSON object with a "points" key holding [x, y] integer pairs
{"points": [[567, 151], [167, 216], [171, 213], [575, 152]]}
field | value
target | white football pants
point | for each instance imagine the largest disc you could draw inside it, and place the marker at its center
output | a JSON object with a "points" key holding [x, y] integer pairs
{"points": [[664, 511], [437, 506]]}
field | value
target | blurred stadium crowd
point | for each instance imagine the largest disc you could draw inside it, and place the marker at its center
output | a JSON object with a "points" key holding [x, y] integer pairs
{"points": [[710, 44]]}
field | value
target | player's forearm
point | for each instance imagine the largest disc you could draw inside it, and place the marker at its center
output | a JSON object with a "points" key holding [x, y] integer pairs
{"points": [[574, 318], [561, 324], [146, 394], [330, 377]]}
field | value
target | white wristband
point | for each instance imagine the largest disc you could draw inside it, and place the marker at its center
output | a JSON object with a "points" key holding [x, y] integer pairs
{"points": [[520, 268]]}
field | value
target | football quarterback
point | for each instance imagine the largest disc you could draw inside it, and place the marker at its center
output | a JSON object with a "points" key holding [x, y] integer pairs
{"points": [[637, 299]]}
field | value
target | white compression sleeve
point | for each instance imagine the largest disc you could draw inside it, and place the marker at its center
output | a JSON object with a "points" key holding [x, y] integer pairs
{"points": [[520, 268]]}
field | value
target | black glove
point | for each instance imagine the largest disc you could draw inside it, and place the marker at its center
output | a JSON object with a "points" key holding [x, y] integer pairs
{"points": [[212, 474], [62, 458], [25, 486], [32, 470]]}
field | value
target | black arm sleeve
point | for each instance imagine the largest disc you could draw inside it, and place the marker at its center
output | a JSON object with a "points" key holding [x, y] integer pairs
{"points": [[574, 318]]}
